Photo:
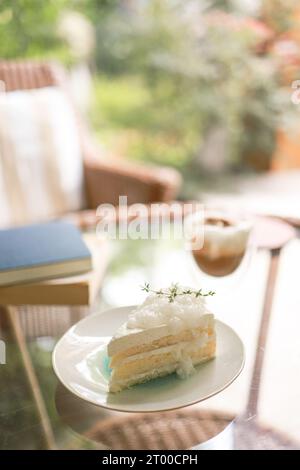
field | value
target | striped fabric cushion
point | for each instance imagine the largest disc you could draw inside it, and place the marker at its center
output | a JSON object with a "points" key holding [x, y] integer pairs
{"points": [[41, 173]]}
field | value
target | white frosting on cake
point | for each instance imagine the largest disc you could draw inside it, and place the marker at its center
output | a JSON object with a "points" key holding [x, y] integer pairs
{"points": [[184, 312], [130, 337]]}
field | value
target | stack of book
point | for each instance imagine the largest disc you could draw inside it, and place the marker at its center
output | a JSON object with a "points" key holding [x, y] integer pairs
{"points": [[52, 260]]}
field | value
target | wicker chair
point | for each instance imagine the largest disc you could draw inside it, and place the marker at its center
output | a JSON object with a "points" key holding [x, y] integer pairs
{"points": [[105, 180]]}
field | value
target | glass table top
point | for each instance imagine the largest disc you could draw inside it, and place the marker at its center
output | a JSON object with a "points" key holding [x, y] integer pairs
{"points": [[260, 410]]}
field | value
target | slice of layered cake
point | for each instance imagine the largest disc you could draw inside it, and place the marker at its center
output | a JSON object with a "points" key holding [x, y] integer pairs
{"points": [[172, 331]]}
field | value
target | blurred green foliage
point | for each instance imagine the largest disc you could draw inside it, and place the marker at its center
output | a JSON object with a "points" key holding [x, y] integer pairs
{"points": [[167, 74], [28, 29], [128, 119], [196, 73]]}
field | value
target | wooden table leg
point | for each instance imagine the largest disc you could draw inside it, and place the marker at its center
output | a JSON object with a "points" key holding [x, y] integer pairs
{"points": [[15, 327], [263, 333]]}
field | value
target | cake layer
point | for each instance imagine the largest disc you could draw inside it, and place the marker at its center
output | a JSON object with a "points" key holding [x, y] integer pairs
{"points": [[176, 354], [183, 336], [128, 340], [118, 384]]}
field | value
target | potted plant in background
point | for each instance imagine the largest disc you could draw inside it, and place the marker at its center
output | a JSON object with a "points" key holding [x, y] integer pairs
{"points": [[214, 93]]}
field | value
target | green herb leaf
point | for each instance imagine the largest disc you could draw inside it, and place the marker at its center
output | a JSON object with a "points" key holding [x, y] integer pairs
{"points": [[174, 291]]}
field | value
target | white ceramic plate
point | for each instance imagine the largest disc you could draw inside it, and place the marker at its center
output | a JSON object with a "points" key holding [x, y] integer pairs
{"points": [[80, 362]]}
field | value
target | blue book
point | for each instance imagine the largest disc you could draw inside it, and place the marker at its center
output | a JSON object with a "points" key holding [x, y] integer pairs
{"points": [[42, 251]]}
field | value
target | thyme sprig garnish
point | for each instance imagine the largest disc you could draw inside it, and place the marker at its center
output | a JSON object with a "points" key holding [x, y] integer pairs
{"points": [[174, 291]]}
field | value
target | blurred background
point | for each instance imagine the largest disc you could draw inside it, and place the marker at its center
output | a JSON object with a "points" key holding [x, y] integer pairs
{"points": [[205, 87]]}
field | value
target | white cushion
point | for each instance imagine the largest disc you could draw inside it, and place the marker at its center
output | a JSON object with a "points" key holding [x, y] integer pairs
{"points": [[41, 173]]}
